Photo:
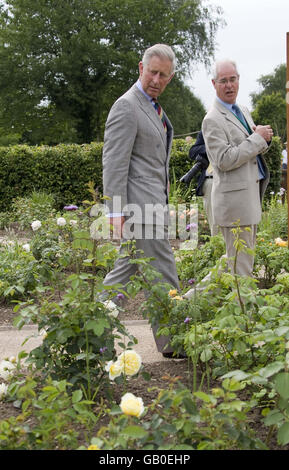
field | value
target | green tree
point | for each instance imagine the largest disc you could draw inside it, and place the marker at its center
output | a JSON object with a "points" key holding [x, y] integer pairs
{"points": [[272, 83], [184, 109], [65, 62], [271, 109]]}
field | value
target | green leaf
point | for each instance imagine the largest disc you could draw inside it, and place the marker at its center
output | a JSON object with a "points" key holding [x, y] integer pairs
{"points": [[271, 369], [146, 375], [189, 405], [281, 330], [283, 434], [282, 384], [97, 326], [76, 396], [115, 410], [273, 417], [205, 397], [237, 375], [206, 355], [135, 431]]}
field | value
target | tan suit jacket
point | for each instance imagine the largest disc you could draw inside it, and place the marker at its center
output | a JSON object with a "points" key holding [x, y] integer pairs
{"points": [[232, 151]]}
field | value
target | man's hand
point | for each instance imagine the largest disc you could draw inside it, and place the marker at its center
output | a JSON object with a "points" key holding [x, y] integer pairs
{"points": [[264, 131], [116, 224]]}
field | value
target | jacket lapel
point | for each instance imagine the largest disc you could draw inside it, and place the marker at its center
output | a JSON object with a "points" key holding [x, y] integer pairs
{"points": [[231, 117], [148, 108]]}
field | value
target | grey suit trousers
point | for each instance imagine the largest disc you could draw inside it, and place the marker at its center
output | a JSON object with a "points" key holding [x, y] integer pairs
{"points": [[163, 262]]}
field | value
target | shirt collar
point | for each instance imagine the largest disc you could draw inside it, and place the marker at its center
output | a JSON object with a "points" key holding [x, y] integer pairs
{"points": [[227, 105], [139, 85]]}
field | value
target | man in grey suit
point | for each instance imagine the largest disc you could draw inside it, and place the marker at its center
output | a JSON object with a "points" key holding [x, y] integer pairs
{"points": [[234, 147], [137, 144]]}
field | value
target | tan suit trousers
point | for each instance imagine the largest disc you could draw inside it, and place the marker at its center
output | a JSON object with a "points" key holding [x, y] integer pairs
{"points": [[245, 261]]}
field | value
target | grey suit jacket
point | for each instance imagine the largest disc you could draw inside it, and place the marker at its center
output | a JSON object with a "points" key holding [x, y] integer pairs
{"points": [[237, 192], [136, 155]]}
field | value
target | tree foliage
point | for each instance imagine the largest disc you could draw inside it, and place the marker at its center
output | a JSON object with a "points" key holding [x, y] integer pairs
{"points": [[271, 109], [62, 64], [270, 103], [274, 82], [184, 109]]}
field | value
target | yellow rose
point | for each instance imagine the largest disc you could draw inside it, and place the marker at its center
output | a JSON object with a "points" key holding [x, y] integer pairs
{"points": [[114, 369], [132, 405], [173, 292], [130, 362], [280, 242]]}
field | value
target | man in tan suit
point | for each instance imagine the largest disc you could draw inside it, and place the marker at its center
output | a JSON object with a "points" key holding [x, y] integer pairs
{"points": [[137, 144], [234, 147]]}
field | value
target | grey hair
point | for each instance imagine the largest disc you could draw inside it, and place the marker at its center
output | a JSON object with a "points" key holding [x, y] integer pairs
{"points": [[221, 62], [163, 51]]}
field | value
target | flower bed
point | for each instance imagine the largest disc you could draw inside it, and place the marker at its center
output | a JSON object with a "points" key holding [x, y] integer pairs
{"points": [[73, 391]]}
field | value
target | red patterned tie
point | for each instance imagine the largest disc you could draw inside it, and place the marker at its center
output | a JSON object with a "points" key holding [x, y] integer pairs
{"points": [[160, 112]]}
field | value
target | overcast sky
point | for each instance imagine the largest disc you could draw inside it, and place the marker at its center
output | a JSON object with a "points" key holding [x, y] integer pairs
{"points": [[255, 37]]}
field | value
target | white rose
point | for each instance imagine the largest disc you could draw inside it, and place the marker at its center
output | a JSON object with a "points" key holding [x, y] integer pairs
{"points": [[113, 310], [36, 225], [26, 247], [6, 369], [130, 361], [132, 405], [114, 369], [61, 221], [3, 391]]}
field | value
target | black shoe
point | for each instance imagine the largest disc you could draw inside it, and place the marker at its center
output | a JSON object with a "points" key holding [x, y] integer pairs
{"points": [[172, 355]]}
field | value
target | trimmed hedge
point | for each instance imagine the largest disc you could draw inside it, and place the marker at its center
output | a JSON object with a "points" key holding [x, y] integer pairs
{"points": [[65, 170]]}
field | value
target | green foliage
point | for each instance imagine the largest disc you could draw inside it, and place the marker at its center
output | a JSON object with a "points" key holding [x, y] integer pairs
{"points": [[6, 219], [64, 64], [62, 171], [274, 82], [233, 330], [271, 109], [55, 411], [37, 206], [181, 420], [273, 161], [179, 161], [274, 222], [19, 272], [196, 264], [246, 337], [79, 335], [184, 109], [270, 260]]}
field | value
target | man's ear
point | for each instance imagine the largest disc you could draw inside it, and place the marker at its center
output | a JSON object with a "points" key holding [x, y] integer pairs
{"points": [[171, 77], [140, 68]]}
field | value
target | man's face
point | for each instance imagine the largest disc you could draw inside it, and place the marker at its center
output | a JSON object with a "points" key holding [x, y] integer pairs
{"points": [[227, 83], [155, 75]]}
